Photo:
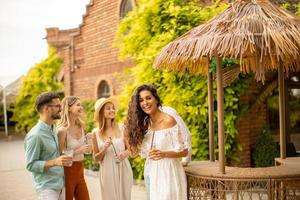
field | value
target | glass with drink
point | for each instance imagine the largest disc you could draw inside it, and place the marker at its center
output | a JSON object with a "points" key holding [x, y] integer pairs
{"points": [[88, 141], [70, 153]]}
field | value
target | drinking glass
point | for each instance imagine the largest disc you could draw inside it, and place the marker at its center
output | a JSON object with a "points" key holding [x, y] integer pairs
{"points": [[117, 160], [70, 153], [88, 140]]}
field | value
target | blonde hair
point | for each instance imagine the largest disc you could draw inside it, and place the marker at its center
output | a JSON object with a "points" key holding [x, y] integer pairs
{"points": [[101, 122], [67, 102]]}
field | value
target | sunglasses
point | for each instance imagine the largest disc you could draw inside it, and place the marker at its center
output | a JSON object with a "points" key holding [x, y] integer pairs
{"points": [[57, 106]]}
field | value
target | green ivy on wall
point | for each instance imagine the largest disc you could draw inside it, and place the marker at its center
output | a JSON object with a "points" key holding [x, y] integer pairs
{"points": [[88, 106], [141, 35]]}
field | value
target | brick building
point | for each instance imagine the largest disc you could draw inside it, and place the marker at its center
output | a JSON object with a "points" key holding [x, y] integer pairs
{"points": [[91, 61], [91, 67]]}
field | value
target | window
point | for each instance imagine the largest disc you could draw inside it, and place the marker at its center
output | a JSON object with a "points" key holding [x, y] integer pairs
{"points": [[103, 89], [293, 112], [126, 6], [292, 106]]}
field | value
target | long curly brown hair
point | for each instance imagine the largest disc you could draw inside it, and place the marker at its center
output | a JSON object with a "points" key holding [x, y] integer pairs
{"points": [[137, 121]]}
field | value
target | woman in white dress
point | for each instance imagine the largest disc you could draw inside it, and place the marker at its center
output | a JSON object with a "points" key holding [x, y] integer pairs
{"points": [[109, 149], [156, 136]]}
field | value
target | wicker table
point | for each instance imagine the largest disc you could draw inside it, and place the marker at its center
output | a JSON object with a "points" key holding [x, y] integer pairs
{"points": [[278, 182], [292, 161]]}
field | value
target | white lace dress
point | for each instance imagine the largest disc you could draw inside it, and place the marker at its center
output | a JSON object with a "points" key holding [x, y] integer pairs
{"points": [[166, 179]]}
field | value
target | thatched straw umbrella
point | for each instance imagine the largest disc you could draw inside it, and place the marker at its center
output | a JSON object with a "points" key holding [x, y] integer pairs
{"points": [[259, 34]]}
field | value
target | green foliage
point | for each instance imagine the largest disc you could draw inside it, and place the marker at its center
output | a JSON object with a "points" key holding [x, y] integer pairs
{"points": [[41, 78], [155, 23], [137, 165], [293, 7], [88, 106], [141, 35], [264, 150], [90, 163], [298, 9]]}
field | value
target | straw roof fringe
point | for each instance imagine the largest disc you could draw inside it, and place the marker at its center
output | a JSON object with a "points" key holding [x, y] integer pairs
{"points": [[257, 33], [229, 75]]}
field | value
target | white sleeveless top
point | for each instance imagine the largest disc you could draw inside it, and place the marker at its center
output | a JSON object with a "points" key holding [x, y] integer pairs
{"points": [[73, 143]]}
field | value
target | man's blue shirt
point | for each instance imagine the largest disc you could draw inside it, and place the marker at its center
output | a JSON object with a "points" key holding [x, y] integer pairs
{"points": [[41, 145]]}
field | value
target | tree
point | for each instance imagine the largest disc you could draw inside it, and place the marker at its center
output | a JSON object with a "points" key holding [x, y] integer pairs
{"points": [[152, 25], [1, 114], [41, 78]]}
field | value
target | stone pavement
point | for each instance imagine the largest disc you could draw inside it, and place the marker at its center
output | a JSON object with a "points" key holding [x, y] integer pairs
{"points": [[15, 180]]}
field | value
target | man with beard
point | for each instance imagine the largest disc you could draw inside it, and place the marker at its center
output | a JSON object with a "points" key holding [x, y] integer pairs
{"points": [[42, 150]]}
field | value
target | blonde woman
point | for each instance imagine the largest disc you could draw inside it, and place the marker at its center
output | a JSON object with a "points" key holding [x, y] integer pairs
{"points": [[109, 149], [72, 139]]}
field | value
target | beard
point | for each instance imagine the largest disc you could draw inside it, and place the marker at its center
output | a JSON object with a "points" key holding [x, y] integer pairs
{"points": [[56, 116]]}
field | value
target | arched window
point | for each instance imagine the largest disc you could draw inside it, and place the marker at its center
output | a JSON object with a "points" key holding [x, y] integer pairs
{"points": [[103, 89], [126, 6]]}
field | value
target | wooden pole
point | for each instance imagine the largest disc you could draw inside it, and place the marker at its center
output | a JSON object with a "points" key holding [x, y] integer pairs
{"points": [[281, 113], [5, 112], [287, 112], [220, 99], [211, 117]]}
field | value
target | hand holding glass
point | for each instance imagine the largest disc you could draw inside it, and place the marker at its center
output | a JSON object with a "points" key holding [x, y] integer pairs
{"points": [[122, 155], [89, 142], [70, 153], [117, 160]]}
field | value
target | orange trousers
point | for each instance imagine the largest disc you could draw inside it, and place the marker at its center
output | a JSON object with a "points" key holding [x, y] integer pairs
{"points": [[74, 182]]}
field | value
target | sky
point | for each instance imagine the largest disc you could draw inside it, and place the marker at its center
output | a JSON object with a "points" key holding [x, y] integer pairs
{"points": [[23, 26]]}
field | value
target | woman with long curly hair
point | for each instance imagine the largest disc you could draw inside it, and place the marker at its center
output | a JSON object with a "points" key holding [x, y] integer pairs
{"points": [[115, 172], [157, 137], [72, 139]]}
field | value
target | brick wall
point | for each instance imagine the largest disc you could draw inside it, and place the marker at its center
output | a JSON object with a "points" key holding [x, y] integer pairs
{"points": [[251, 123], [88, 52]]}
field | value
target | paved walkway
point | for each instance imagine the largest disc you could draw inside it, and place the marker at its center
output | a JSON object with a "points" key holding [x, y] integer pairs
{"points": [[15, 181]]}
